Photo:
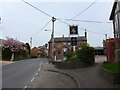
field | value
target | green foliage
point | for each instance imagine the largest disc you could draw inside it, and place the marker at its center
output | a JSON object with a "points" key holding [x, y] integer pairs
{"points": [[112, 67], [69, 54], [104, 43], [28, 47], [20, 54], [42, 55], [73, 59], [86, 54], [6, 54]]}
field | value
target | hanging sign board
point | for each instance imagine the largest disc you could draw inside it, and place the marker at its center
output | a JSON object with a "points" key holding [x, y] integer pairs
{"points": [[73, 30]]}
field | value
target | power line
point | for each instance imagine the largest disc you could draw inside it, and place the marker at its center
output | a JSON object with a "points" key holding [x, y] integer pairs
{"points": [[68, 19], [83, 10], [42, 28], [37, 8], [88, 21], [62, 21], [83, 28], [36, 42], [91, 31]]}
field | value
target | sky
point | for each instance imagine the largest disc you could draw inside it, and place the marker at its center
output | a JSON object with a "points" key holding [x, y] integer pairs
{"points": [[22, 21]]}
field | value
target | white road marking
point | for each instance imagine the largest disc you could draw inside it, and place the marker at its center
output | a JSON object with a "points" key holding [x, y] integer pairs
{"points": [[32, 79], [40, 67], [25, 87], [36, 74]]}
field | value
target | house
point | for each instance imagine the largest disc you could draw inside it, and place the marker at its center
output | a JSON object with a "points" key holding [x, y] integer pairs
{"points": [[24, 47], [63, 45], [115, 17], [43, 50], [99, 50], [34, 52]]}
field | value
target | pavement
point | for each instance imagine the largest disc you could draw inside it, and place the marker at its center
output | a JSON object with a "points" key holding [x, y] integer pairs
{"points": [[5, 62], [89, 77], [49, 79]]}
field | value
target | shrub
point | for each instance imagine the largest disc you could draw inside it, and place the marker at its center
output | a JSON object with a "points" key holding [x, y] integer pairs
{"points": [[20, 54], [42, 55], [86, 54], [74, 58], [6, 54], [69, 55]]}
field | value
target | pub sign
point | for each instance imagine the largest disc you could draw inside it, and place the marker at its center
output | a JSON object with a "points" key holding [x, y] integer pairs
{"points": [[73, 30]]}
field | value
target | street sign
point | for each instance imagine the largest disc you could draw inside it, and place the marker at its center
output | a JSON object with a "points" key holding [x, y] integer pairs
{"points": [[73, 30], [73, 41]]}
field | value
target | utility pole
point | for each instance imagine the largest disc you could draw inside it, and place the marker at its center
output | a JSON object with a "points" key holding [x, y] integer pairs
{"points": [[53, 20], [106, 36], [31, 42]]}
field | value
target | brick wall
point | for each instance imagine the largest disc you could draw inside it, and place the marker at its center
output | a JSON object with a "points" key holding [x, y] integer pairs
{"points": [[60, 46], [34, 52]]}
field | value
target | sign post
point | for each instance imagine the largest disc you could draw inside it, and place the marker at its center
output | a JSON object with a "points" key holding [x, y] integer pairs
{"points": [[73, 31]]}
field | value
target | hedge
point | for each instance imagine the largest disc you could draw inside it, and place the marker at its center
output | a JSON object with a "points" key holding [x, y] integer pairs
{"points": [[86, 54]]}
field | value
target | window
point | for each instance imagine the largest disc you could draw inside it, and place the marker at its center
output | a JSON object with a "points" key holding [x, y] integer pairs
{"points": [[64, 49], [64, 43], [59, 51]]}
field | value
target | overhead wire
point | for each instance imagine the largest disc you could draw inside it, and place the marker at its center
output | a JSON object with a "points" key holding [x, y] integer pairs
{"points": [[88, 21], [37, 8], [91, 31], [42, 28], [68, 19], [36, 42], [83, 10], [62, 21]]}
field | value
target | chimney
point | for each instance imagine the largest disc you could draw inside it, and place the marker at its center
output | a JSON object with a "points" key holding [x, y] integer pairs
{"points": [[62, 36]]}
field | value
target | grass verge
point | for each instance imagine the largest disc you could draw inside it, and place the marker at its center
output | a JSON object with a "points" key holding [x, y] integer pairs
{"points": [[112, 67]]}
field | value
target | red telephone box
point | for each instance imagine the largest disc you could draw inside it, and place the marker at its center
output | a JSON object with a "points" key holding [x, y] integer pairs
{"points": [[110, 48]]}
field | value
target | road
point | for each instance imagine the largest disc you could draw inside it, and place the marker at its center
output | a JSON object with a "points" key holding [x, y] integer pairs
{"points": [[19, 74], [31, 74]]}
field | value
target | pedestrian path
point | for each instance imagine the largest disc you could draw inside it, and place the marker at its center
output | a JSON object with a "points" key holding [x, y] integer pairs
{"points": [[89, 77], [5, 62]]}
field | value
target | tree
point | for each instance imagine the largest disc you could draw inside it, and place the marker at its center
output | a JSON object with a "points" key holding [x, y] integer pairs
{"points": [[13, 44], [28, 47]]}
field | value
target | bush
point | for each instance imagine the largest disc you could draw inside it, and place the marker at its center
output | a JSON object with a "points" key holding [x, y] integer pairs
{"points": [[20, 54], [42, 55], [86, 54], [6, 54], [74, 59], [69, 55]]}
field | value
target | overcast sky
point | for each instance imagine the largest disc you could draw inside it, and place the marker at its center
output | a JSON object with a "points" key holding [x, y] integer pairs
{"points": [[21, 21]]}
